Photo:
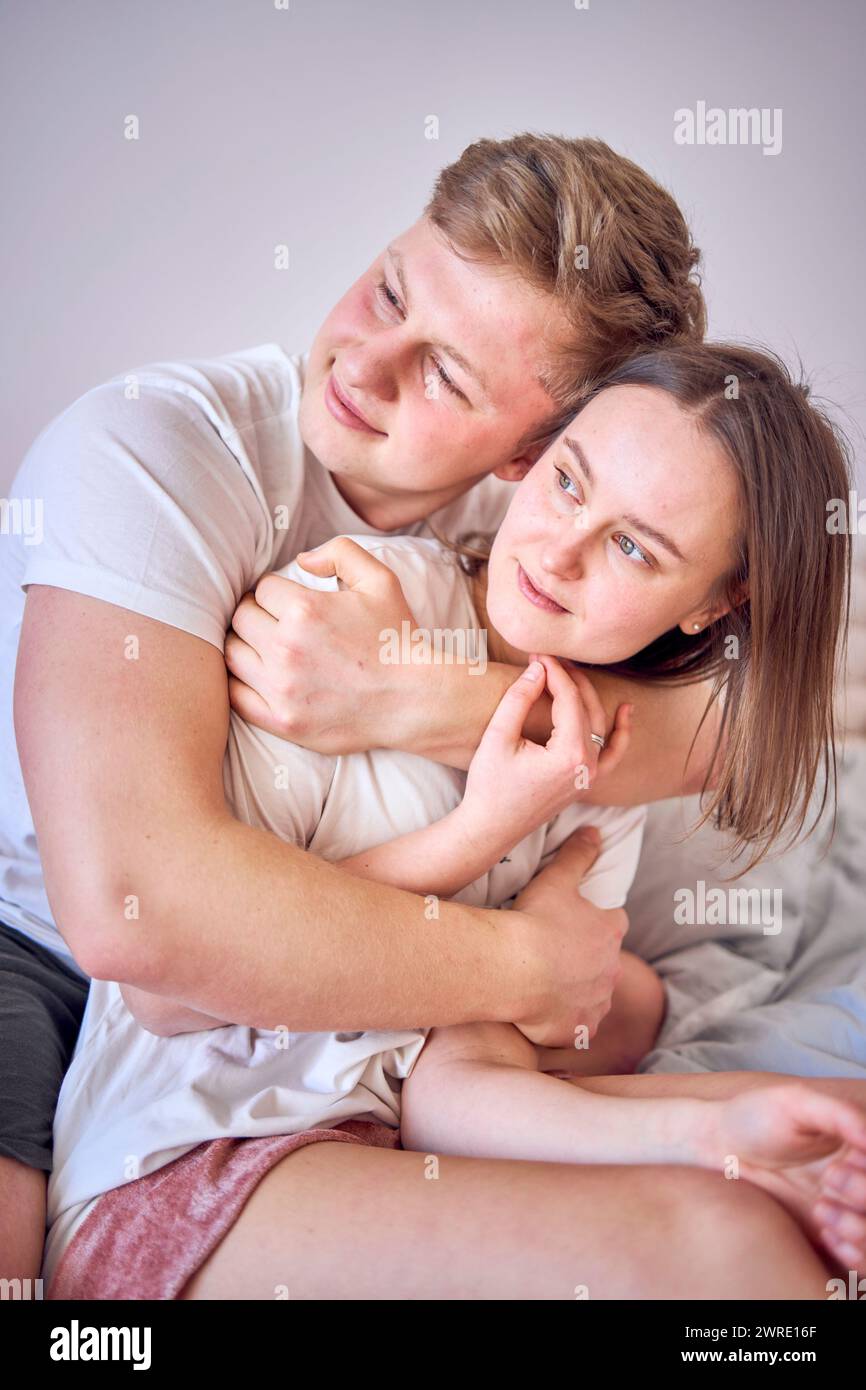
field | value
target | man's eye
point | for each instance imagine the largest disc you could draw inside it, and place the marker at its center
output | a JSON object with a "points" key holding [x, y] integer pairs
{"points": [[446, 380], [629, 548], [387, 295]]}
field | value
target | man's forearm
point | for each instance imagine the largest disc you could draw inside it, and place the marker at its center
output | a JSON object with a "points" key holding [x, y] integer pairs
{"points": [[450, 709], [447, 718], [438, 860], [236, 923]]}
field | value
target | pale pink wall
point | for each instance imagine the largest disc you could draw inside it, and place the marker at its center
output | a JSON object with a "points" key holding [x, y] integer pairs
{"points": [[261, 126]]}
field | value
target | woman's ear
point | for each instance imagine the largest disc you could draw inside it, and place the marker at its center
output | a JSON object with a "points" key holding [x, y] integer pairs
{"points": [[740, 595], [696, 622]]}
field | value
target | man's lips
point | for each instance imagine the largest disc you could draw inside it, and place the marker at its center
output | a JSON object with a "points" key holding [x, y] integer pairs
{"points": [[530, 590], [342, 408]]}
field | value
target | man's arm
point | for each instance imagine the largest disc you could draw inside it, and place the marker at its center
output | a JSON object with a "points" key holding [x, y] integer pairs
{"points": [[307, 666], [153, 883], [164, 1017], [660, 761]]}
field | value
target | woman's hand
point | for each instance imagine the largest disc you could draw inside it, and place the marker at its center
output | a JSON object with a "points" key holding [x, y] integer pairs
{"points": [[514, 785]]}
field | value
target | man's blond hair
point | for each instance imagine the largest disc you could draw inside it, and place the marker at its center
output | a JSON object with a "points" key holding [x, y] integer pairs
{"points": [[580, 222]]}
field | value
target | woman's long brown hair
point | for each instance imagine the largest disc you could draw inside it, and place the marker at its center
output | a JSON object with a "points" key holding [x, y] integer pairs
{"points": [[789, 590]]}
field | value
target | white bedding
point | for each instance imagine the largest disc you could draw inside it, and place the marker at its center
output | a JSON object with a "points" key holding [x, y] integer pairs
{"points": [[742, 998]]}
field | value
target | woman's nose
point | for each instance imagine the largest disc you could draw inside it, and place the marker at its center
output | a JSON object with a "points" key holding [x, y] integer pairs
{"points": [[566, 555]]}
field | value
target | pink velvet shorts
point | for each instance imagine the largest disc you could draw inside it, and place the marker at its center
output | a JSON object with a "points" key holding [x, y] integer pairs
{"points": [[146, 1239]]}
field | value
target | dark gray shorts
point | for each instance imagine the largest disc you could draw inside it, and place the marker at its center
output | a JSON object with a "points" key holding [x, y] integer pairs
{"points": [[41, 1007]]}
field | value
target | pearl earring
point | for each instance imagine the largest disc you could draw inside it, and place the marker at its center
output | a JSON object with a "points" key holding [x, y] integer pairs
{"points": [[696, 626]]}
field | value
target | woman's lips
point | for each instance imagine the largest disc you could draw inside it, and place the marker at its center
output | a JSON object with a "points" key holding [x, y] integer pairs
{"points": [[342, 409], [536, 595]]}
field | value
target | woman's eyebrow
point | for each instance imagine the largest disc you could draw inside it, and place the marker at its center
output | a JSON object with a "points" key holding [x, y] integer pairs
{"points": [[658, 536], [644, 526]]}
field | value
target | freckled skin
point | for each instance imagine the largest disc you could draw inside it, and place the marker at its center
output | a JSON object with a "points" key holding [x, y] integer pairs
{"points": [[649, 461], [648, 457], [432, 449]]}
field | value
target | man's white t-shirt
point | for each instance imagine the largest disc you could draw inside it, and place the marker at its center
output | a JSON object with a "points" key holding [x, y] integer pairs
{"points": [[132, 1102], [169, 490]]}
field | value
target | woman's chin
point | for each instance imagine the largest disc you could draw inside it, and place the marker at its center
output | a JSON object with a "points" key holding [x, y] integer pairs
{"points": [[547, 635], [539, 637], [518, 633]]}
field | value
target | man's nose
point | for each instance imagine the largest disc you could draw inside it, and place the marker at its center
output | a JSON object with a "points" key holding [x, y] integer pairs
{"points": [[373, 366]]}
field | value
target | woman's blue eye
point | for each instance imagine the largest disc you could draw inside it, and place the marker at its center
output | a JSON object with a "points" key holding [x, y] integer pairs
{"points": [[626, 541], [563, 481]]}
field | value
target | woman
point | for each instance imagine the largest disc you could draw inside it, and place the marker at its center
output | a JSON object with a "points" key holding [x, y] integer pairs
{"points": [[663, 516]]}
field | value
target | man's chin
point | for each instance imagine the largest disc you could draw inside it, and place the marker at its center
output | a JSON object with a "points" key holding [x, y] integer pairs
{"points": [[322, 436]]}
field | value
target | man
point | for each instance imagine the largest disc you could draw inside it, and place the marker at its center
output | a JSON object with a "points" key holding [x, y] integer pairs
{"points": [[168, 494]]}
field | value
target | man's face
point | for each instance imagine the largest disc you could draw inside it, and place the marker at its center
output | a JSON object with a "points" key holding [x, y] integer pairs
{"points": [[424, 378]]}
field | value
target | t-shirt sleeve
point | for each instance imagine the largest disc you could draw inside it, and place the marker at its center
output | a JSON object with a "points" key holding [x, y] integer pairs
{"points": [[145, 505]]}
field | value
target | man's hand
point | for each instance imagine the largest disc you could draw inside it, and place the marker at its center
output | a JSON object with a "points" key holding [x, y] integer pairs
{"points": [[583, 962], [306, 664]]}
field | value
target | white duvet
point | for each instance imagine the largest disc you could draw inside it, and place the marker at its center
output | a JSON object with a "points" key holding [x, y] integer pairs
{"points": [[742, 996]]}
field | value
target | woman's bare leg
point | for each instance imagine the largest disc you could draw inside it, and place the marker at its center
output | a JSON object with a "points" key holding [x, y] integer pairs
{"points": [[827, 1197], [625, 1035], [340, 1221]]}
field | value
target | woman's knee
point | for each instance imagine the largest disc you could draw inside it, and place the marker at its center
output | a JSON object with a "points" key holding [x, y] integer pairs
{"points": [[741, 1240], [639, 1008]]}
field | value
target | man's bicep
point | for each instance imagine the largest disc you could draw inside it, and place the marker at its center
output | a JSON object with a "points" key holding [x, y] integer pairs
{"points": [[121, 724], [661, 761]]}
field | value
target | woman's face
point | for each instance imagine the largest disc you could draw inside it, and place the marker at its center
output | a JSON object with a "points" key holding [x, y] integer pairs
{"points": [[618, 533]]}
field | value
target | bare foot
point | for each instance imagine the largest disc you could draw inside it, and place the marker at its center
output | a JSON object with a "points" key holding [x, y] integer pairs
{"points": [[808, 1150]]}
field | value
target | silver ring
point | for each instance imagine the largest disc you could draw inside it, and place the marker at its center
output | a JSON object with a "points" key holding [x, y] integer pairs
{"points": [[597, 738]]}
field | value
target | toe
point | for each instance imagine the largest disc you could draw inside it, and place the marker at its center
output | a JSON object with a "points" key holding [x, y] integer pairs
{"points": [[849, 1256], [848, 1227], [845, 1183]]}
